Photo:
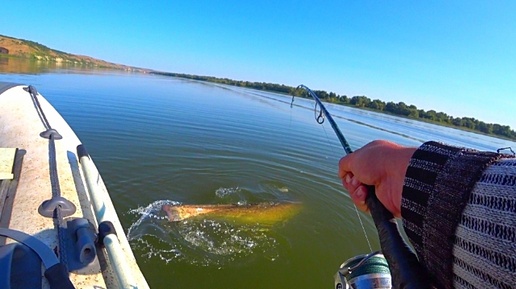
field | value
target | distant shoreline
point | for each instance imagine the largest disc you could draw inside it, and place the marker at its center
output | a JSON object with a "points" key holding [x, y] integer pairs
{"points": [[362, 102]]}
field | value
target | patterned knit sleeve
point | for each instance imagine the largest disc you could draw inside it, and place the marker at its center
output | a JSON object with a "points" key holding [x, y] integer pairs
{"points": [[439, 185]]}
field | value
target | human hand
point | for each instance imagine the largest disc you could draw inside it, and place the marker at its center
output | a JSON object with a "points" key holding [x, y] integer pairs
{"points": [[381, 164]]}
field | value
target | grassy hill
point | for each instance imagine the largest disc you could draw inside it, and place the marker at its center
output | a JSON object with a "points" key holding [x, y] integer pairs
{"points": [[20, 48]]}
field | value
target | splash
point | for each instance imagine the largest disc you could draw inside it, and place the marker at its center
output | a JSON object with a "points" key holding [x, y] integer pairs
{"points": [[223, 192], [202, 242]]}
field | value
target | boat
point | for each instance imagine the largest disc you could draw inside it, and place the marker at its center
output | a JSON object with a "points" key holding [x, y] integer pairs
{"points": [[58, 225]]}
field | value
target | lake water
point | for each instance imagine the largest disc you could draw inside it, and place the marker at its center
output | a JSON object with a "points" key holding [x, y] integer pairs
{"points": [[159, 140]]}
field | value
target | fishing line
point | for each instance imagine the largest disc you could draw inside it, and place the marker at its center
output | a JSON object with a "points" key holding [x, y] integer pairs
{"points": [[363, 228], [320, 119], [354, 206], [290, 121]]}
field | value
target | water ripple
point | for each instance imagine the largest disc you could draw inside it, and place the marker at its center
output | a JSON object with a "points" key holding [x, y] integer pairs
{"points": [[201, 242]]}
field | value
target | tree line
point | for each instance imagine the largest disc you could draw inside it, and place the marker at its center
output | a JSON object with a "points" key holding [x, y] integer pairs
{"points": [[398, 109]]}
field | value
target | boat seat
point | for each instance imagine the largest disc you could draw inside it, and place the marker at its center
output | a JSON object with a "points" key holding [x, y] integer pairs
{"points": [[7, 156], [11, 160], [20, 267]]}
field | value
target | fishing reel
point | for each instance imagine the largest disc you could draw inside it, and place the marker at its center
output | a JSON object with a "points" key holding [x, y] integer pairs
{"points": [[367, 271]]}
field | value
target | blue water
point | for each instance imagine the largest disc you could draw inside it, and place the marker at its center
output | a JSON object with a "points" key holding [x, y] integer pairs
{"points": [[159, 140]]}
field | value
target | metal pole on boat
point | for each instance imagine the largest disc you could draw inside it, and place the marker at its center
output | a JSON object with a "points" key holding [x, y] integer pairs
{"points": [[103, 214]]}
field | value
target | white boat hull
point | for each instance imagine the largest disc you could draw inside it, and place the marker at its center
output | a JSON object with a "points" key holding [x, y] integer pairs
{"points": [[20, 127]]}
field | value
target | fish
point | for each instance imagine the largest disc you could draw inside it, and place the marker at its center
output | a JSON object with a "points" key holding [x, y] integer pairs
{"points": [[266, 213]]}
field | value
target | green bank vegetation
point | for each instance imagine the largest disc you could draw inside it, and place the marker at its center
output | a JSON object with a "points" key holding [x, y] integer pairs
{"points": [[11, 47], [399, 109]]}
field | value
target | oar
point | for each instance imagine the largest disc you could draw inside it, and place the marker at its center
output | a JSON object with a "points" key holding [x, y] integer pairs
{"points": [[405, 268], [267, 213]]}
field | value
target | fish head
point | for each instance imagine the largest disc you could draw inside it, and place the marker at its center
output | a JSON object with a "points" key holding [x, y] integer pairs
{"points": [[173, 213]]}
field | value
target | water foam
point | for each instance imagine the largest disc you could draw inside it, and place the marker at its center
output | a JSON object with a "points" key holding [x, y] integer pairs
{"points": [[223, 192], [202, 242]]}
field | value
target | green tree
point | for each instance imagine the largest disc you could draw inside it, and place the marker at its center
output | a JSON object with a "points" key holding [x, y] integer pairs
{"points": [[414, 112], [344, 99], [485, 127], [332, 97], [402, 109], [431, 115], [321, 94], [377, 105], [360, 101], [457, 121], [469, 122], [390, 107], [503, 130]]}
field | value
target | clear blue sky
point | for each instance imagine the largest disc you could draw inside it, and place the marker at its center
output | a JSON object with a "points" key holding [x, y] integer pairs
{"points": [[458, 57]]}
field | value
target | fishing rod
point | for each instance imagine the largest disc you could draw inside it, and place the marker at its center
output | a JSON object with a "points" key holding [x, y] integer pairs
{"points": [[405, 269]]}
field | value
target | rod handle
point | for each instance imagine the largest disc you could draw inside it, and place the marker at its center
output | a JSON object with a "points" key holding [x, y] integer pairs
{"points": [[406, 271]]}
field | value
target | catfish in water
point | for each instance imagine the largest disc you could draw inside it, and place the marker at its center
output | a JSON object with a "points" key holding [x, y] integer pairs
{"points": [[266, 213]]}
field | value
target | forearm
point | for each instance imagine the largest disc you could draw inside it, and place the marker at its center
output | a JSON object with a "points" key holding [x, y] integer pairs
{"points": [[437, 187]]}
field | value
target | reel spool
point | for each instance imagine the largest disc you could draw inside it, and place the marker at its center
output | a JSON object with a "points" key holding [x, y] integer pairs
{"points": [[368, 271]]}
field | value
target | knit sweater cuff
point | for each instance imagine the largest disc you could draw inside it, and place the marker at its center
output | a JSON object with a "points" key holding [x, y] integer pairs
{"points": [[438, 183]]}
